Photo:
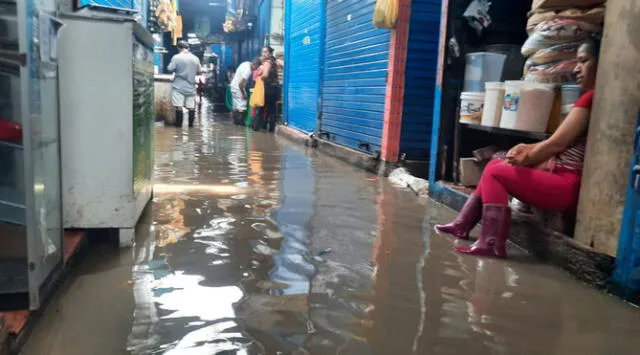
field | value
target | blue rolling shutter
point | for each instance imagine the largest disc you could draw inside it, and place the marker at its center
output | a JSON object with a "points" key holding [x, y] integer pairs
{"points": [[420, 79], [304, 29], [264, 22], [116, 4], [354, 81]]}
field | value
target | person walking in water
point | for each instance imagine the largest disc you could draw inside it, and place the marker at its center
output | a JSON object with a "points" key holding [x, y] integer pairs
{"points": [[186, 67], [239, 91]]}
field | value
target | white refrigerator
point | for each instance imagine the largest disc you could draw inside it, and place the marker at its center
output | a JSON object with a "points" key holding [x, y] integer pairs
{"points": [[107, 123]]}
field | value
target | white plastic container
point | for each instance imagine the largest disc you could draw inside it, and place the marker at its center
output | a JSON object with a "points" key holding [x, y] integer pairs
{"points": [[493, 100], [536, 101], [471, 104], [511, 104], [480, 68]]}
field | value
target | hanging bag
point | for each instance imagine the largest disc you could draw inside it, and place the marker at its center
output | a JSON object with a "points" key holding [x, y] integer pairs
{"points": [[257, 98], [385, 14]]}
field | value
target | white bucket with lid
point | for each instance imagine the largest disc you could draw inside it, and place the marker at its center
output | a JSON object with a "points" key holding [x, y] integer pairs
{"points": [[511, 103], [471, 105], [536, 102], [493, 99]]}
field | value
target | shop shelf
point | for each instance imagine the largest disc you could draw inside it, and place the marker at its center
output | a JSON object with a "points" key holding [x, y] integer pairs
{"points": [[11, 196], [11, 145], [13, 214], [12, 206], [506, 132], [13, 275]]}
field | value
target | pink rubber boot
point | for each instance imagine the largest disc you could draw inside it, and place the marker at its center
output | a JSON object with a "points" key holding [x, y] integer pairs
{"points": [[466, 220], [496, 222]]}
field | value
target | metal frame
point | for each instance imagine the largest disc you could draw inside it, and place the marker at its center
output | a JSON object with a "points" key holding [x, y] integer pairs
{"points": [[395, 99], [30, 80], [287, 50], [437, 104], [25, 32]]}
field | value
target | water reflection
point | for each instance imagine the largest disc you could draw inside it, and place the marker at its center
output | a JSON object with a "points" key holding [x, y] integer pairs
{"points": [[260, 247]]}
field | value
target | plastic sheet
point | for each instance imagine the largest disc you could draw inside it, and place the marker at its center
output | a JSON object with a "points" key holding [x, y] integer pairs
{"points": [[385, 14]]}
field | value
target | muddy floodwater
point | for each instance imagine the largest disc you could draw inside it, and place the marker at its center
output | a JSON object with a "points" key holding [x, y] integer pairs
{"points": [[255, 245]]}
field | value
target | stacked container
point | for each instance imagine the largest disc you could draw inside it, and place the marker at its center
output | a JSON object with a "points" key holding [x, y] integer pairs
{"points": [[536, 101], [511, 104], [481, 67], [493, 102]]}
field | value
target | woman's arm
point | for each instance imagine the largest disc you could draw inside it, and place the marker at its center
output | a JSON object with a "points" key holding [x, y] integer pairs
{"points": [[266, 68], [571, 129]]}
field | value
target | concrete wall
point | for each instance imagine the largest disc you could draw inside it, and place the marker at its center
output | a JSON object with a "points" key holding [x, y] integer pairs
{"points": [[611, 132], [277, 24]]}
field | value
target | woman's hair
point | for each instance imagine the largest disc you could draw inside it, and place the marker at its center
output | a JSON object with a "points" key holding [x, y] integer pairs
{"points": [[592, 45], [269, 49], [257, 61]]}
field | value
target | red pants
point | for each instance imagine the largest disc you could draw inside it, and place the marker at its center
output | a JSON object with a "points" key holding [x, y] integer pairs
{"points": [[557, 191]]}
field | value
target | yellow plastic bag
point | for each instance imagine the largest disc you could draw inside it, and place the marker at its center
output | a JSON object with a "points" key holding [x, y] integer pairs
{"points": [[385, 15], [257, 98]]}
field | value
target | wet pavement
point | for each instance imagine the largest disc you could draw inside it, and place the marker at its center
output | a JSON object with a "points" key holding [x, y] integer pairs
{"points": [[254, 245]]}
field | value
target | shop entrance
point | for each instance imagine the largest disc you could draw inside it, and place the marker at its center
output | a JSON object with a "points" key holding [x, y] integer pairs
{"points": [[504, 83]]}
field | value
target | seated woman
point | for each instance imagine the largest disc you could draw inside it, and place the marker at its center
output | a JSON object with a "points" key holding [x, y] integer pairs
{"points": [[545, 175]]}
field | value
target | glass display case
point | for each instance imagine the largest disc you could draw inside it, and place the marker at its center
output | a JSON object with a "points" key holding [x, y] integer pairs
{"points": [[30, 179]]}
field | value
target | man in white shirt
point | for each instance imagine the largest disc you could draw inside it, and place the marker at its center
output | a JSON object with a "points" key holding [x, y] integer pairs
{"points": [[186, 67], [239, 91]]}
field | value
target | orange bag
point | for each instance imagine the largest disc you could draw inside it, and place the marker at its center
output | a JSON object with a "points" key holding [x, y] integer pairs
{"points": [[257, 97]]}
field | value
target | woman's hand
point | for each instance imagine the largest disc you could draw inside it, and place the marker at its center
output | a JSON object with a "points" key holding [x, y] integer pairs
{"points": [[518, 154], [574, 126]]}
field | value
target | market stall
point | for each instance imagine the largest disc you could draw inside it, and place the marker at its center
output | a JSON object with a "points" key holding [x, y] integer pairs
{"points": [[506, 78]]}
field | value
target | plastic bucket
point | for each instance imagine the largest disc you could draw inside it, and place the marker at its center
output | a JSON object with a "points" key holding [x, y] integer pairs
{"points": [[513, 64], [568, 97], [511, 104], [471, 104], [480, 68], [493, 98], [536, 101]]}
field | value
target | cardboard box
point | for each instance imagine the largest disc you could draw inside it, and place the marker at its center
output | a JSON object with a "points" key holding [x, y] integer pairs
{"points": [[470, 171]]}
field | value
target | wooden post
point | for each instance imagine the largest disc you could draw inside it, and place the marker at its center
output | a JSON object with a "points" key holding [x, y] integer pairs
{"points": [[612, 129], [394, 100]]}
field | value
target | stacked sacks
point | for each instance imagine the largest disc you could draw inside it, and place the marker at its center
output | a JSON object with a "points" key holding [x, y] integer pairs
{"points": [[556, 30]]}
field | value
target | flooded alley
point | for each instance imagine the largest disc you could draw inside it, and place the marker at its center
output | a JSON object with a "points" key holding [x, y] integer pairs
{"points": [[255, 245]]}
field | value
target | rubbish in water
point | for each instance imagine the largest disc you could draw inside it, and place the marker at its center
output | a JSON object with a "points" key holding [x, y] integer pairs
{"points": [[325, 252], [403, 178]]}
